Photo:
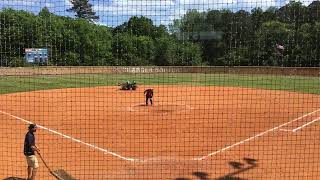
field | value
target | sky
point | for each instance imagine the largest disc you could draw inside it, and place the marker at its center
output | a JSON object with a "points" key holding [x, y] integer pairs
{"points": [[116, 12]]}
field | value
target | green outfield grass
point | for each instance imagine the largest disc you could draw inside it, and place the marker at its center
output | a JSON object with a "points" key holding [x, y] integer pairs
{"points": [[11, 84]]}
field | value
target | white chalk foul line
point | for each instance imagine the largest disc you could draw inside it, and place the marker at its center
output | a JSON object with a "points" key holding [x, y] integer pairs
{"points": [[286, 130], [72, 139], [254, 137], [307, 124], [201, 158]]}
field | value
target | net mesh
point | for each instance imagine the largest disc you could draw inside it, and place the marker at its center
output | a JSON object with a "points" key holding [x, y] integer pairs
{"points": [[235, 88]]}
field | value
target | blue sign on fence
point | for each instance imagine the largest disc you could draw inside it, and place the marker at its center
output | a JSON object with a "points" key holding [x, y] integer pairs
{"points": [[36, 55]]}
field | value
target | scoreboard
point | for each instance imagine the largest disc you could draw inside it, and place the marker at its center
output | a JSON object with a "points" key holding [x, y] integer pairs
{"points": [[36, 55]]}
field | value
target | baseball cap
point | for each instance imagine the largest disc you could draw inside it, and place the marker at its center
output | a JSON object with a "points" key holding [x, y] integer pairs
{"points": [[31, 126]]}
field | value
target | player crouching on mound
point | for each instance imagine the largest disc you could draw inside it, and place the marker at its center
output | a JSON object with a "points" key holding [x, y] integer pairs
{"points": [[149, 95]]}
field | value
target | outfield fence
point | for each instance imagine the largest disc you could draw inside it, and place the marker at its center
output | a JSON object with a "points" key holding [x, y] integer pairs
{"points": [[285, 71]]}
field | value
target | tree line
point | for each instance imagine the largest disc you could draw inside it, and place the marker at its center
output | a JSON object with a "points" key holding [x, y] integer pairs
{"points": [[213, 37]]}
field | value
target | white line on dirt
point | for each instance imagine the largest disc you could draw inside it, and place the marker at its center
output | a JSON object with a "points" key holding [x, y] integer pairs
{"points": [[201, 158], [287, 130], [307, 124], [254, 137], [72, 138]]}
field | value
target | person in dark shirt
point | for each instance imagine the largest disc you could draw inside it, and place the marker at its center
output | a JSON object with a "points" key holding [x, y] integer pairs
{"points": [[149, 95], [29, 152]]}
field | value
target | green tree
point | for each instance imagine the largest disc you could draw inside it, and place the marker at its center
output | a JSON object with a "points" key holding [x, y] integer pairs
{"points": [[164, 53], [310, 49], [268, 36], [213, 48], [314, 11], [256, 18], [189, 26], [187, 54], [83, 10], [270, 14], [102, 46], [18, 31], [293, 13], [130, 50], [304, 45], [141, 26], [315, 46]]}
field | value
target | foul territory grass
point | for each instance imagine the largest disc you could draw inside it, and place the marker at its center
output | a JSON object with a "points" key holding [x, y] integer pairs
{"points": [[12, 84]]}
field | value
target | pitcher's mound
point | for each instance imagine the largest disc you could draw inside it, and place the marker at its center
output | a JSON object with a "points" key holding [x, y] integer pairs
{"points": [[160, 108]]}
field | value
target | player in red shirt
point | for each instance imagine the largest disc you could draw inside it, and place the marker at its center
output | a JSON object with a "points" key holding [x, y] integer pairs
{"points": [[149, 95]]}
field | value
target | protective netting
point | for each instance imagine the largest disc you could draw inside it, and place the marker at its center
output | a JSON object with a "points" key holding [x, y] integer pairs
{"points": [[160, 89]]}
